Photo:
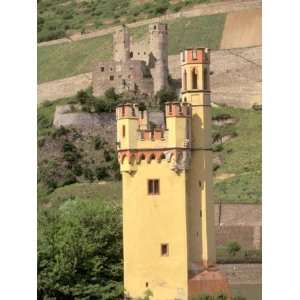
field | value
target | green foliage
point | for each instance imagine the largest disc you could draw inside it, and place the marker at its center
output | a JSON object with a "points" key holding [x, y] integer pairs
{"points": [[239, 156], [218, 148], [88, 174], [101, 173], [204, 31], [99, 143], [147, 295], [210, 297], [165, 95], [233, 248], [80, 251], [61, 131], [69, 59]]}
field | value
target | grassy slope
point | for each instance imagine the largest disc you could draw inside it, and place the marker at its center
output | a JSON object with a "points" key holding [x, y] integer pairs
{"points": [[58, 18], [241, 156], [65, 60]]}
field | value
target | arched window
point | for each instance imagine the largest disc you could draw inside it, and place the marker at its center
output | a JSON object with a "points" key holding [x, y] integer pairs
{"points": [[194, 79], [184, 80]]}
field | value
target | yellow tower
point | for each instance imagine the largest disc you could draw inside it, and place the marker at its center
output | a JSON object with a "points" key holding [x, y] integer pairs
{"points": [[168, 216], [196, 91]]}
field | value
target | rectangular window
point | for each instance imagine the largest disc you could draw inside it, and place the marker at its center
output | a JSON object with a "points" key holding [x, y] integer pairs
{"points": [[153, 186], [164, 250], [111, 77], [102, 69], [123, 131]]}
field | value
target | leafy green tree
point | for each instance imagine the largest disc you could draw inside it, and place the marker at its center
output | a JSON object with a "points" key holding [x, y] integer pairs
{"points": [[165, 95], [80, 251]]}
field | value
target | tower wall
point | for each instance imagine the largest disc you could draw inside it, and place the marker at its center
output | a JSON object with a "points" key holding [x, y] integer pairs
{"points": [[195, 90], [158, 56], [148, 220], [121, 44]]}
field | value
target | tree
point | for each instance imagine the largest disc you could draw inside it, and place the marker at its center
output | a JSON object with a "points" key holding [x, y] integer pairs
{"points": [[165, 95], [80, 251]]}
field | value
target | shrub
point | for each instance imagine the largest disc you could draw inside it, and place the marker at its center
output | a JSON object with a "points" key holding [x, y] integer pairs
{"points": [[69, 147], [58, 132], [218, 148], [77, 169], [98, 143], [107, 155], [100, 105], [88, 174], [233, 248], [209, 297], [111, 94], [257, 107], [41, 142], [69, 178], [48, 35], [85, 97], [222, 117], [165, 95], [101, 173]]}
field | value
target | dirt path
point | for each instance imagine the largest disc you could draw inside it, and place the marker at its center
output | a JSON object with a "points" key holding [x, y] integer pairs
{"points": [[197, 10]]}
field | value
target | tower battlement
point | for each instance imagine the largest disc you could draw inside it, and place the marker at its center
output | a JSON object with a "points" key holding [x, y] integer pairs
{"points": [[138, 139]]}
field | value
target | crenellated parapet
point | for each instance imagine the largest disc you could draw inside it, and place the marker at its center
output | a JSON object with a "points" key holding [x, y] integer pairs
{"points": [[138, 139]]}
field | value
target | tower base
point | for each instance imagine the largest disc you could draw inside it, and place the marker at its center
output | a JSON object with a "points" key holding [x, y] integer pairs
{"points": [[209, 282]]}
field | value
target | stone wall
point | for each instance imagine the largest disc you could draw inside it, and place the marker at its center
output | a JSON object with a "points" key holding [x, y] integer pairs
{"points": [[132, 75], [249, 237]]}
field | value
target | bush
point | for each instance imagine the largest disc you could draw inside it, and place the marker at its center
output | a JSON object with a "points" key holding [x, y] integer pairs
{"points": [[101, 173], [48, 35], [88, 174], [41, 142], [209, 297], [100, 105], [233, 248], [107, 155], [165, 95], [71, 153], [98, 143], [85, 97], [218, 148], [58, 132], [80, 252], [111, 94], [77, 169], [69, 178]]}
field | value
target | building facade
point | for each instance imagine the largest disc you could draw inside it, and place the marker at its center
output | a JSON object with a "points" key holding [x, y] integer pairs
{"points": [[168, 212], [136, 67]]}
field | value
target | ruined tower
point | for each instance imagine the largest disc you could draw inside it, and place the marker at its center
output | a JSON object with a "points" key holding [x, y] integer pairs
{"points": [[121, 44], [168, 209], [158, 55]]}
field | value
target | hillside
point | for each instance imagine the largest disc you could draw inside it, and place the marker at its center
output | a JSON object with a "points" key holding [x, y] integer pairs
{"points": [[60, 18], [85, 155], [68, 59]]}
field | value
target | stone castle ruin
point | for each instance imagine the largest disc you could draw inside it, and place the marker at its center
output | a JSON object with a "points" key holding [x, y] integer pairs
{"points": [[141, 68]]}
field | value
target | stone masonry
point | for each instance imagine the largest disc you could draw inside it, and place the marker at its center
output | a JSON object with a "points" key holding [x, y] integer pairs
{"points": [[141, 69]]}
